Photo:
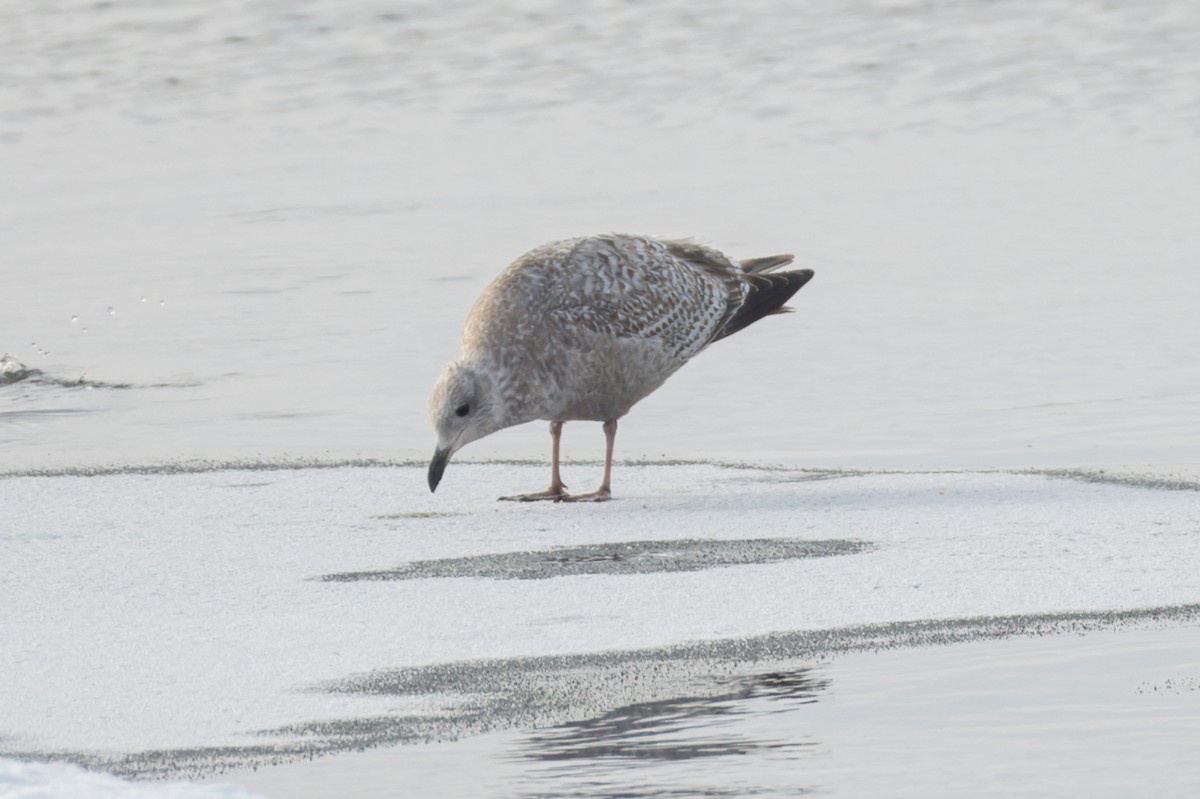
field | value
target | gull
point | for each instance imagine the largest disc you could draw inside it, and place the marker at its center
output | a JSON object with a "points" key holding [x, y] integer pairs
{"points": [[582, 329]]}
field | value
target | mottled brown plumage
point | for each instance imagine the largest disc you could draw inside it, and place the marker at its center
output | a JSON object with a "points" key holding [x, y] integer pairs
{"points": [[583, 329]]}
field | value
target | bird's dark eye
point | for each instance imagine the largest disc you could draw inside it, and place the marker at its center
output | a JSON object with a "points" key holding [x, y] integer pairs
{"points": [[462, 410]]}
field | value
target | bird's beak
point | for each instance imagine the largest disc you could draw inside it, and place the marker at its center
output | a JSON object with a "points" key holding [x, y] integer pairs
{"points": [[436, 466]]}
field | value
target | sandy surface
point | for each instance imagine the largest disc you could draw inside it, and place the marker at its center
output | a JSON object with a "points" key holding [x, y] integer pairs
{"points": [[276, 613]]}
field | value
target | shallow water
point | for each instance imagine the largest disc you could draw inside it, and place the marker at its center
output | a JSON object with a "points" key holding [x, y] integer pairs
{"points": [[266, 224], [248, 235]]}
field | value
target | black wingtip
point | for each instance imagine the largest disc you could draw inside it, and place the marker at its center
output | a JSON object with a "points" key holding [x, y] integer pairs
{"points": [[768, 293]]}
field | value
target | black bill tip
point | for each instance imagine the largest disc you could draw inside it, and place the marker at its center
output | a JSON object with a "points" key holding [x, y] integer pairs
{"points": [[437, 466]]}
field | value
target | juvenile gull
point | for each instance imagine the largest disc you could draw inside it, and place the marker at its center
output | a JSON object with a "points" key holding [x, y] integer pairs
{"points": [[584, 328]]}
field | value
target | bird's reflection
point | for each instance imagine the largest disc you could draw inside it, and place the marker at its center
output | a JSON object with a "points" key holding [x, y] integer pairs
{"points": [[682, 728], [662, 748]]}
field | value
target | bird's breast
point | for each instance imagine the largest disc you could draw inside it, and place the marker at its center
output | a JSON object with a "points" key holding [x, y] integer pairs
{"points": [[605, 381]]}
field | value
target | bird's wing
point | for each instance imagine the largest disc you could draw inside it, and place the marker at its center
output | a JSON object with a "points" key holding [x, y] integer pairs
{"points": [[633, 288]]}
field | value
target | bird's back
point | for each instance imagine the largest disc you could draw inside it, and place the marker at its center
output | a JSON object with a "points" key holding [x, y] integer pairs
{"points": [[595, 324]]}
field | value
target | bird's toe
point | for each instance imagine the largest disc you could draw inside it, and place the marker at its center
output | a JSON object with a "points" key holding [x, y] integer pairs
{"points": [[603, 495], [549, 495]]}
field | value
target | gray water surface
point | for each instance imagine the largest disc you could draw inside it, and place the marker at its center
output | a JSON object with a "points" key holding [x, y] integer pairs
{"points": [[254, 231]]}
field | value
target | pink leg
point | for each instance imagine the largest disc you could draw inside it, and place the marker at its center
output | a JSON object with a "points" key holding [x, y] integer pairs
{"points": [[605, 491], [555, 491]]}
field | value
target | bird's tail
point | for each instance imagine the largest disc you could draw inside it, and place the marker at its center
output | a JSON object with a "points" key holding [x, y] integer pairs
{"points": [[767, 263]]}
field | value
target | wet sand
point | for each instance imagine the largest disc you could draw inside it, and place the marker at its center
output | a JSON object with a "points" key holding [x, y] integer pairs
{"points": [[1105, 705], [276, 613]]}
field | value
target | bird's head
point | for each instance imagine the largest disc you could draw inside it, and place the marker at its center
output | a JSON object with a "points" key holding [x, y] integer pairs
{"points": [[462, 410]]}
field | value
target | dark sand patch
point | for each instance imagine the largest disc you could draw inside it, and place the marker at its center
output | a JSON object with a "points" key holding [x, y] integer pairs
{"points": [[621, 557]]}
